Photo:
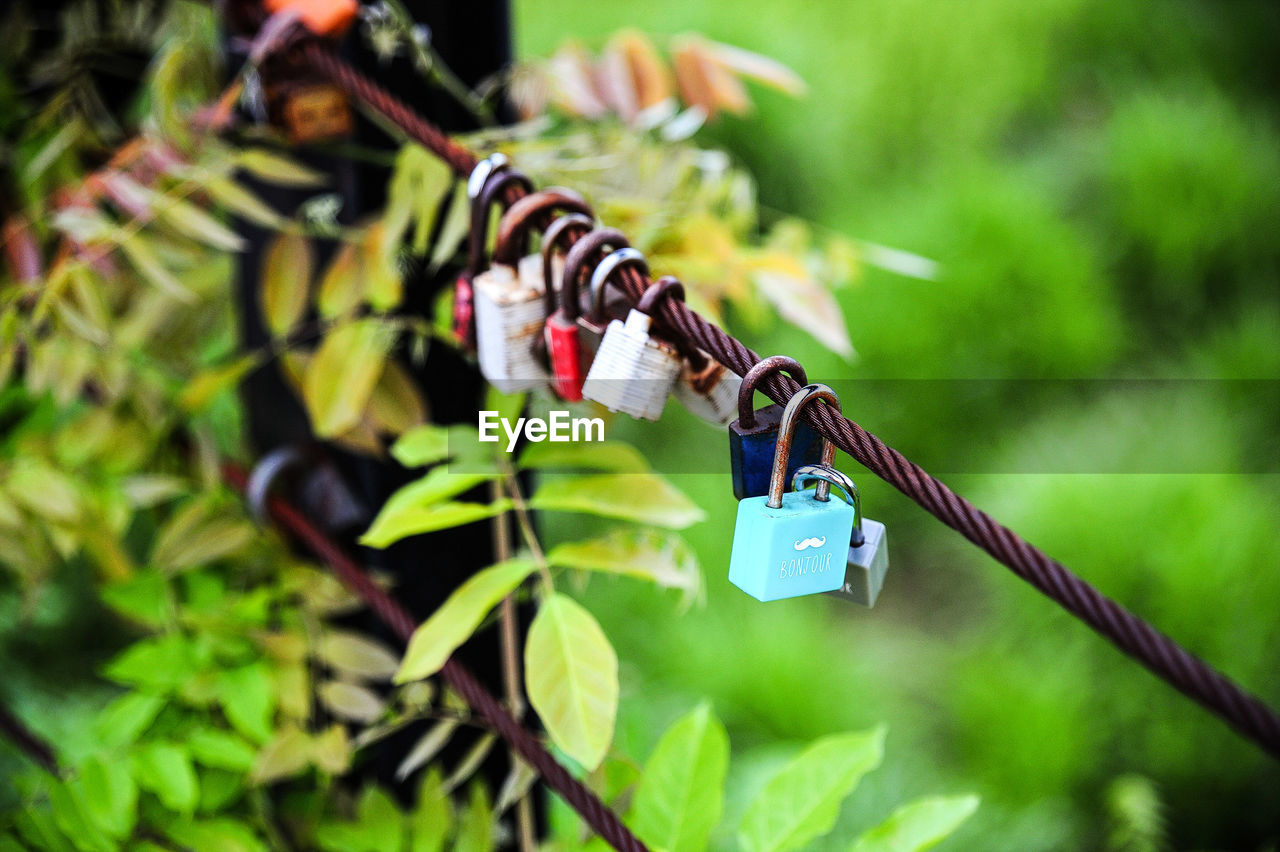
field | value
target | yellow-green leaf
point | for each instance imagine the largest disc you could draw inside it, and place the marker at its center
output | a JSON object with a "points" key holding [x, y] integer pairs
{"points": [[342, 287], [288, 754], [358, 656], [642, 497], [571, 675], [206, 385], [662, 558], [274, 168], [351, 701], [459, 616], [341, 376], [423, 445], [286, 281]]}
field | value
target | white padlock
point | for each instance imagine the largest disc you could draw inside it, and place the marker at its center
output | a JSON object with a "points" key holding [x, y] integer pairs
{"points": [[509, 308], [634, 371], [708, 389]]}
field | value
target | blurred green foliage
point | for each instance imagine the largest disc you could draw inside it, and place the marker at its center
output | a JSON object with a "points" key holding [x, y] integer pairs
{"points": [[1101, 185]]}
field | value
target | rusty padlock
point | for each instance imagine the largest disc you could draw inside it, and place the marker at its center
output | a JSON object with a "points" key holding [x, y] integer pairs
{"points": [[508, 296]]}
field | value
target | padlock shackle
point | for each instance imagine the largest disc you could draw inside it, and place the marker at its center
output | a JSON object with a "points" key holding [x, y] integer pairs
{"points": [[526, 214], [667, 285], [484, 169], [824, 473], [583, 251], [497, 183], [607, 268], [786, 433], [551, 238], [763, 369]]}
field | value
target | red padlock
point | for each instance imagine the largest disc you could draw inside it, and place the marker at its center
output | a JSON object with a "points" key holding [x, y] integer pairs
{"points": [[559, 345]]}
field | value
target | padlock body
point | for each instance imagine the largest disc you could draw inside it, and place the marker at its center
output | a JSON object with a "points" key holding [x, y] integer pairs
{"points": [[633, 372], [711, 393], [796, 549], [509, 315], [866, 566], [751, 451], [562, 337]]}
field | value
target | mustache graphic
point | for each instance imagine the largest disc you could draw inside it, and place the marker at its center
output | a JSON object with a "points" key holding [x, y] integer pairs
{"points": [[810, 542]]}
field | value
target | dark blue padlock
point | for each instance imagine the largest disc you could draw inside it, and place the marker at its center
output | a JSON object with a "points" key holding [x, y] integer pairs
{"points": [[753, 437]]}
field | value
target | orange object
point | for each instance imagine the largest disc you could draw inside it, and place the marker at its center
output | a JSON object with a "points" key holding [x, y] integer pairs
{"points": [[322, 17]]}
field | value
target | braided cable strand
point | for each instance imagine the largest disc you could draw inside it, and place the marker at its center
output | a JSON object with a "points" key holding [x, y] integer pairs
{"points": [[1157, 652], [596, 814]]}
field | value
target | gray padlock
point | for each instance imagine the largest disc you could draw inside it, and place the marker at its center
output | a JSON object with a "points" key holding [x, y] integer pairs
{"points": [[868, 559]]}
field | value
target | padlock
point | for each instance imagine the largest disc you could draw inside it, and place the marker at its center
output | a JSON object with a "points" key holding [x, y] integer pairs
{"points": [[559, 344], [790, 544], [634, 370], [464, 317], [753, 437], [508, 295], [708, 388], [868, 558]]}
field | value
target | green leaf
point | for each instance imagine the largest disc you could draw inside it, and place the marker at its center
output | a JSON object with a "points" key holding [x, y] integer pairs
{"points": [[165, 769], [454, 622], [277, 169], [143, 597], [220, 835], [662, 558], [431, 820], [71, 818], [802, 802], [287, 754], [422, 445], [162, 663], [475, 828], [379, 826], [340, 378], [221, 749], [681, 791], [641, 497], [610, 456], [248, 700], [286, 281], [110, 795], [357, 656], [918, 825], [413, 508], [571, 675], [390, 528], [123, 720]]}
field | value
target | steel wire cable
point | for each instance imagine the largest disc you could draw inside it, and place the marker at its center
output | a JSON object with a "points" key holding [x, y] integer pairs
{"points": [[1160, 654]]}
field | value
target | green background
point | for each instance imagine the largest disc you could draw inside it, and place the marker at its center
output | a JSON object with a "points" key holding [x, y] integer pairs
{"points": [[1100, 183]]}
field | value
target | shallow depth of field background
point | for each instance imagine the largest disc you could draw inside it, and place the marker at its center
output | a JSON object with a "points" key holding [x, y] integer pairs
{"points": [[1101, 183]]}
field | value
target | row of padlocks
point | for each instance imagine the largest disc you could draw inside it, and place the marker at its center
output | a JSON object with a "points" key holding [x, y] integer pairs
{"points": [[537, 319]]}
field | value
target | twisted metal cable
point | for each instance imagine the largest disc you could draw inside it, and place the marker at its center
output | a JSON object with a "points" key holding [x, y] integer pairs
{"points": [[1157, 652], [595, 812]]}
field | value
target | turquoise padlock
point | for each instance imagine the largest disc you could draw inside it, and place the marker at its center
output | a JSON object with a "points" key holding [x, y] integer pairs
{"points": [[794, 543]]}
